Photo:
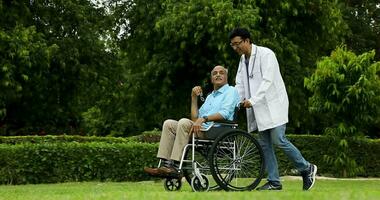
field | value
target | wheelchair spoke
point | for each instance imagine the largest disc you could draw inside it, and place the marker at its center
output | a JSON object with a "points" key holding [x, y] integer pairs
{"points": [[237, 161], [200, 158]]}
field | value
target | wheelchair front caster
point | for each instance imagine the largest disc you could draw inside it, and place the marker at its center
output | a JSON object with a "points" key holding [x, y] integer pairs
{"points": [[173, 184], [200, 184]]}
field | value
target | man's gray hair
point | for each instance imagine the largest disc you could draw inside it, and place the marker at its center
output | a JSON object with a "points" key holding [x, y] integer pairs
{"points": [[225, 69]]}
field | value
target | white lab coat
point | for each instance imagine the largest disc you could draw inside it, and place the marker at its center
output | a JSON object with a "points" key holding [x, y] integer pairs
{"points": [[267, 90]]}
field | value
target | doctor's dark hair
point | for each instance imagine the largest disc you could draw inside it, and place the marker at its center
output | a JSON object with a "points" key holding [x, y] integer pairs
{"points": [[241, 32]]}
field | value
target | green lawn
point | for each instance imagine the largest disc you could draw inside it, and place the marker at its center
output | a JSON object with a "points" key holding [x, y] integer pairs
{"points": [[324, 189]]}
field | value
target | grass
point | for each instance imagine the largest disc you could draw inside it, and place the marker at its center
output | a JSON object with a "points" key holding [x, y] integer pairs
{"points": [[324, 189]]}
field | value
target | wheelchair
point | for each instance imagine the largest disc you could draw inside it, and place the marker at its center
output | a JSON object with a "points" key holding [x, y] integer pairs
{"points": [[234, 161]]}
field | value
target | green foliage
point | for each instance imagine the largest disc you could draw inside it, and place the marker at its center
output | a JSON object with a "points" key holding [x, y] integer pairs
{"points": [[93, 120], [363, 19], [345, 166], [62, 162], [55, 60], [61, 139], [332, 155], [171, 46], [51, 159], [360, 160], [147, 136], [24, 56], [119, 67], [346, 89]]}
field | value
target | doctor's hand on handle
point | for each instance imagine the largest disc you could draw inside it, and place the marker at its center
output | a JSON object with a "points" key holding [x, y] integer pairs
{"points": [[245, 103]]}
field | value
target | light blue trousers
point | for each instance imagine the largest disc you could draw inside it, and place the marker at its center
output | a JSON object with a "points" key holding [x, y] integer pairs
{"points": [[276, 137]]}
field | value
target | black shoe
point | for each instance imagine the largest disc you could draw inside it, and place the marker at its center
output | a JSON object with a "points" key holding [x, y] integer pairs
{"points": [[308, 177], [270, 186]]}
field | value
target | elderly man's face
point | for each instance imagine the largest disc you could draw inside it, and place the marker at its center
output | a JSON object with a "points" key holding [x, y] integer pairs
{"points": [[219, 76]]}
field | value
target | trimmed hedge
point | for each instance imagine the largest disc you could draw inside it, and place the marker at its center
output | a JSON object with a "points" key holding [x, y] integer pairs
{"points": [[61, 138], [72, 161], [313, 148], [51, 159], [365, 151]]}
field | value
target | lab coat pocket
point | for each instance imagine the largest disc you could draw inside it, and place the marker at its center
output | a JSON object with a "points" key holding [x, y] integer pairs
{"points": [[263, 115], [275, 109], [256, 74], [271, 93]]}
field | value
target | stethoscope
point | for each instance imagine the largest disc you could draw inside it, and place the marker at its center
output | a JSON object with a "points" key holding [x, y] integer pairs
{"points": [[251, 76], [253, 65]]}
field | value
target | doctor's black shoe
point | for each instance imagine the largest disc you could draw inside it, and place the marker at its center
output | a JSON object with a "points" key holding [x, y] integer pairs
{"points": [[270, 186], [308, 177]]}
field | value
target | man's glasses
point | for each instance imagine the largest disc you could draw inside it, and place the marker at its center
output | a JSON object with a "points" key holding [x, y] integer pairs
{"points": [[235, 44]]}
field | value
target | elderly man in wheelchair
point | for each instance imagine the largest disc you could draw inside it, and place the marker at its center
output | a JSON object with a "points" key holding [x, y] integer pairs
{"points": [[231, 156]]}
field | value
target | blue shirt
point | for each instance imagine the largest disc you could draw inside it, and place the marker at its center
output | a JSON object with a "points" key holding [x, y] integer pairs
{"points": [[222, 101]]}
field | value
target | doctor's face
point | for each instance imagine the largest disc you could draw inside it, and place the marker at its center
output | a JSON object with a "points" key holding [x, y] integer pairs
{"points": [[240, 45]]}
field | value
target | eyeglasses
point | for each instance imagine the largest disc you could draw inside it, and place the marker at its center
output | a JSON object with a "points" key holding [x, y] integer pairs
{"points": [[235, 44]]}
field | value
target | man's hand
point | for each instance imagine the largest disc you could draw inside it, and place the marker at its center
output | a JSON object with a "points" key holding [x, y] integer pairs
{"points": [[197, 90], [246, 103], [196, 128]]}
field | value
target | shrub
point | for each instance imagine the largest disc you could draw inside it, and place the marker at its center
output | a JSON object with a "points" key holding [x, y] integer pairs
{"points": [[148, 136], [51, 159], [314, 148], [346, 91], [62, 162], [60, 139]]}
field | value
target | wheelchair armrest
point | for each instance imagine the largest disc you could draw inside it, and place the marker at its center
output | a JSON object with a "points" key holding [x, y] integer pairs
{"points": [[229, 124], [208, 128], [221, 122], [226, 122]]}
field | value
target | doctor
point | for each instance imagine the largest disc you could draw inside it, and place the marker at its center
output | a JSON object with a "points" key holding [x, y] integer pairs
{"points": [[262, 90]]}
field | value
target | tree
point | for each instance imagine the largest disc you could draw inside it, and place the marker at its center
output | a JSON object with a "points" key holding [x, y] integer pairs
{"points": [[346, 89], [171, 46], [363, 19], [68, 63], [25, 57]]}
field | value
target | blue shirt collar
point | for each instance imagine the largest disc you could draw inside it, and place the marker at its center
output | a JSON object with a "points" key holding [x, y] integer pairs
{"points": [[220, 90]]}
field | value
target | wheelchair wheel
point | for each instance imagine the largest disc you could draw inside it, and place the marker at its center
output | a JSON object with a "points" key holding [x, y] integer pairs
{"points": [[172, 184], [236, 161], [200, 156], [199, 185]]}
